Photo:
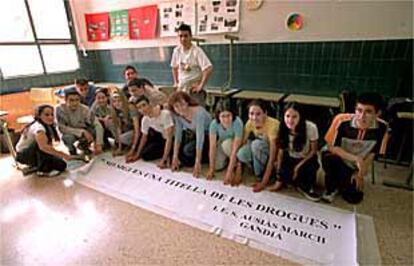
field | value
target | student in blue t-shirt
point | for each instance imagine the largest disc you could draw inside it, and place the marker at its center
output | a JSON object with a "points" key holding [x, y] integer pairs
{"points": [[226, 133], [192, 122]]}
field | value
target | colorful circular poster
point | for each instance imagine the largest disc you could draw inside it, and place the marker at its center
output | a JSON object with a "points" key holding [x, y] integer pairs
{"points": [[295, 22]]}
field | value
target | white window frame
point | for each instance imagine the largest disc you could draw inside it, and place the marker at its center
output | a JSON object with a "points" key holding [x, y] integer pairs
{"points": [[38, 42]]}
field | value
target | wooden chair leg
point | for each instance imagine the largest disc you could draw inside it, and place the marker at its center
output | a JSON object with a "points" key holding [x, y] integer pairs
{"points": [[7, 137], [373, 172]]}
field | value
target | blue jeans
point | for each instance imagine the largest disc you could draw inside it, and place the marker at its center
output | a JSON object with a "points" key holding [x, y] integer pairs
{"points": [[255, 153]]}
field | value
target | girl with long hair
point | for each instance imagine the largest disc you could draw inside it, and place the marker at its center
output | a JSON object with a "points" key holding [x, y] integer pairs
{"points": [[259, 148], [102, 111], [35, 146], [125, 126], [297, 161]]}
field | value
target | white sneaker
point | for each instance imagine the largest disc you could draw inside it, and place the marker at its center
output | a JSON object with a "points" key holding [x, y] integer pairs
{"points": [[48, 174], [329, 197], [310, 195]]}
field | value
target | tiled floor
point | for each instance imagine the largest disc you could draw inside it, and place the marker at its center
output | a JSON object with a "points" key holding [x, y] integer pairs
{"points": [[52, 221]]}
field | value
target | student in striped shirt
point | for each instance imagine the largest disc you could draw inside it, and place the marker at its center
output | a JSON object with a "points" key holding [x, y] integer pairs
{"points": [[353, 140]]}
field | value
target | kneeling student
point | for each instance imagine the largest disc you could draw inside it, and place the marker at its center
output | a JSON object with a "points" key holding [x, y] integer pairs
{"points": [[76, 124], [226, 133], [35, 146], [157, 128], [297, 161], [259, 145], [353, 141]]}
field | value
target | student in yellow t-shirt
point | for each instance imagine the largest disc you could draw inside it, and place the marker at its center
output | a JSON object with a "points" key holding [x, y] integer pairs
{"points": [[259, 149]]}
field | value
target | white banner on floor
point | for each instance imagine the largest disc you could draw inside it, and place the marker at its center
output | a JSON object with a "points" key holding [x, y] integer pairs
{"points": [[289, 227]]}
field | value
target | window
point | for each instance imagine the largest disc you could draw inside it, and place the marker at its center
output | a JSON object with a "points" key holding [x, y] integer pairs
{"points": [[35, 38]]}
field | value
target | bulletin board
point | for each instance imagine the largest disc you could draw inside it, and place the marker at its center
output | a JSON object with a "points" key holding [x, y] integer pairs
{"points": [[97, 26], [173, 14], [218, 16], [119, 24], [143, 22]]}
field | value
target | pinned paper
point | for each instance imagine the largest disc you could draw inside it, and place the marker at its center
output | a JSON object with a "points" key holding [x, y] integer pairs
{"points": [[119, 24], [97, 26], [143, 22]]}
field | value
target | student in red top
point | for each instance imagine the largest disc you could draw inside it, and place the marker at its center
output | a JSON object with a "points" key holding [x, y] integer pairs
{"points": [[353, 141]]}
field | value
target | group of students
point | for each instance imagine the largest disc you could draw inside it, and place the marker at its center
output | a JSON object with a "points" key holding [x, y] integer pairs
{"points": [[179, 131]]}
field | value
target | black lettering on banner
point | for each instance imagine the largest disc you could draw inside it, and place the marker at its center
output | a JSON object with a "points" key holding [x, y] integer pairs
{"points": [[218, 195], [266, 227], [226, 211], [241, 202], [261, 230], [255, 224], [280, 213]]}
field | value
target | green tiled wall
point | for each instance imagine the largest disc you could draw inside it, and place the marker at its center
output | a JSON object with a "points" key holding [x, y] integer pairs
{"points": [[318, 68]]}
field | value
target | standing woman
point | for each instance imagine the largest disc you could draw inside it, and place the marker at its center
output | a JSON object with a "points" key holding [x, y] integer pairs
{"points": [[259, 150], [35, 146], [192, 122], [297, 161], [226, 132]]}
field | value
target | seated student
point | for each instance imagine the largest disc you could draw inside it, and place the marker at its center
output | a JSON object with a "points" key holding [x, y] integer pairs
{"points": [[86, 91], [137, 88], [35, 146], [297, 160], [192, 122], [76, 124], [131, 73], [125, 125], [352, 142], [157, 128], [102, 110], [259, 149], [226, 132]]}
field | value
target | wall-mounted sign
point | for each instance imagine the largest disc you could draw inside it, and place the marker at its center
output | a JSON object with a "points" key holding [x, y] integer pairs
{"points": [[97, 27], [173, 14], [294, 22], [119, 24], [218, 16], [143, 22]]}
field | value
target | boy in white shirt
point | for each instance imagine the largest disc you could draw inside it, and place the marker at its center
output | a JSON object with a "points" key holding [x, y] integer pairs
{"points": [[157, 128], [191, 68]]}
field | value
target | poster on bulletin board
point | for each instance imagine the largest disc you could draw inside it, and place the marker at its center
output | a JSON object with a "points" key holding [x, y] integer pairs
{"points": [[119, 24], [173, 14], [218, 16], [143, 22], [97, 26]]}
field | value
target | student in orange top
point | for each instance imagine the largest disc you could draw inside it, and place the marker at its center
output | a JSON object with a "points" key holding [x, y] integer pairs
{"points": [[353, 140]]}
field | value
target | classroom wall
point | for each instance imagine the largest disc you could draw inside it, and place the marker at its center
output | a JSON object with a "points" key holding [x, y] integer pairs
{"points": [[325, 20], [357, 45], [319, 68], [360, 45]]}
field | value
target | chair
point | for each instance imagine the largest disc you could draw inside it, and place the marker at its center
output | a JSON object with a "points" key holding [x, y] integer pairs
{"points": [[5, 130], [43, 96]]}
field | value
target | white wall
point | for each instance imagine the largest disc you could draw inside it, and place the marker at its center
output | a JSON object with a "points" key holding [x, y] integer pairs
{"points": [[329, 20]]}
